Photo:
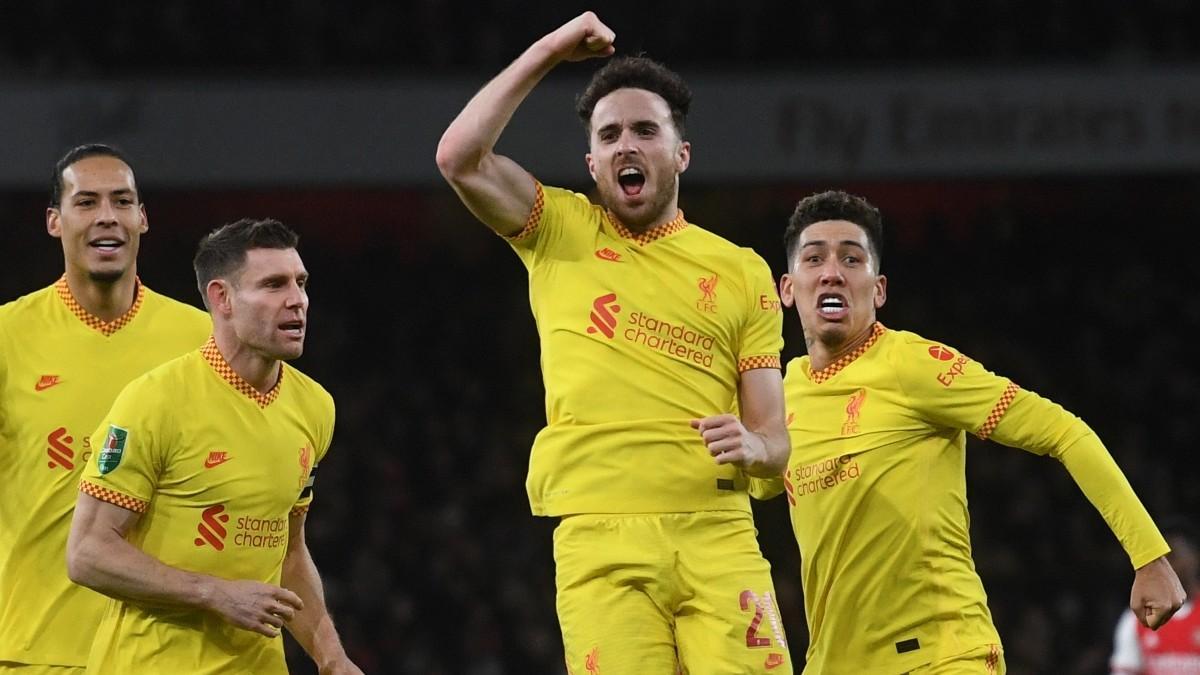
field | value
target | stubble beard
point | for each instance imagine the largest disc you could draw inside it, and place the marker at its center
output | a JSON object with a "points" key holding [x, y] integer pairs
{"points": [[663, 194], [105, 276]]}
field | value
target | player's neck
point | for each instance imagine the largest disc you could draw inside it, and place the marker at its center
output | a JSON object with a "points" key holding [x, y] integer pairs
{"points": [[105, 300], [822, 355], [258, 370], [669, 213]]}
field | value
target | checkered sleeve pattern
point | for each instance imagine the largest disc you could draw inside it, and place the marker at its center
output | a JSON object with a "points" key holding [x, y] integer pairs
{"points": [[299, 510], [993, 658], [997, 413], [535, 216], [113, 497], [754, 362]]}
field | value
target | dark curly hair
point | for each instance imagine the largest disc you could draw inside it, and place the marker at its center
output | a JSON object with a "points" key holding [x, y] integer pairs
{"points": [[636, 72], [835, 205]]}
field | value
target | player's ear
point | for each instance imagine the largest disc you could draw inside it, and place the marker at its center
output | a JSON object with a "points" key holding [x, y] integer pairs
{"points": [[785, 290], [219, 295], [684, 157], [880, 291], [591, 166], [145, 227], [54, 222]]}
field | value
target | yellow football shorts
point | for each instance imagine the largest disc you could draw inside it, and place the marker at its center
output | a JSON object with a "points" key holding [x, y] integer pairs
{"points": [[666, 593], [7, 667], [987, 660]]}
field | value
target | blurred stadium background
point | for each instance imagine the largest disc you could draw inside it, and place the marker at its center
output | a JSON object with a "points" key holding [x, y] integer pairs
{"points": [[1036, 162]]}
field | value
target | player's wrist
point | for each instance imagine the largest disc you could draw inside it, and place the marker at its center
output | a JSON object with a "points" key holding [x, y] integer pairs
{"points": [[204, 592]]}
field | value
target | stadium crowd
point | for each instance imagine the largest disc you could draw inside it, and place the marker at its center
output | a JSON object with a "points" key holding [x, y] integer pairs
{"points": [[433, 36]]}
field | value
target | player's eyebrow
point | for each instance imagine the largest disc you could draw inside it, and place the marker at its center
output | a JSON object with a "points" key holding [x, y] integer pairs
{"points": [[93, 193], [822, 242], [608, 128], [273, 279]]}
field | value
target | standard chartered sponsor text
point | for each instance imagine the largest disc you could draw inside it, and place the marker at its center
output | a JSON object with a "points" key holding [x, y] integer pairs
{"points": [[674, 339], [261, 532], [825, 474]]}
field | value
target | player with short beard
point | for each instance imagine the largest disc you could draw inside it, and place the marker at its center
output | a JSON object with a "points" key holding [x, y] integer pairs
{"points": [[65, 353], [650, 445]]}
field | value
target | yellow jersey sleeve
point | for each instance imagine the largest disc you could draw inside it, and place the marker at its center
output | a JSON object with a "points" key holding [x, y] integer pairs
{"points": [[1043, 427], [324, 433], [129, 444], [948, 387], [549, 224], [762, 339], [957, 391]]}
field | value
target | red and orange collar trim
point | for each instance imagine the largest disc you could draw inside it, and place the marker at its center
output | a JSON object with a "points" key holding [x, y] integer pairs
{"points": [[651, 235], [213, 355], [539, 205], [92, 321], [819, 376]]}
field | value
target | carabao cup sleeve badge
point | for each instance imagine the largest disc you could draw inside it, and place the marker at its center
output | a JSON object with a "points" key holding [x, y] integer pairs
{"points": [[114, 448]]}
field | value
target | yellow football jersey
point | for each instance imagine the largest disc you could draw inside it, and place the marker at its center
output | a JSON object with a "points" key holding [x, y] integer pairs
{"points": [[60, 369], [639, 334], [215, 468], [877, 492]]}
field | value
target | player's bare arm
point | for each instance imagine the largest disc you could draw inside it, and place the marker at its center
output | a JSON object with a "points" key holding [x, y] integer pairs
{"points": [[101, 558], [312, 626], [1157, 593], [495, 188], [758, 441]]}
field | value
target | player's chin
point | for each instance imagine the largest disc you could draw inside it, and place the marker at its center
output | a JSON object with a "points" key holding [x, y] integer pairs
{"points": [[286, 350], [107, 272]]}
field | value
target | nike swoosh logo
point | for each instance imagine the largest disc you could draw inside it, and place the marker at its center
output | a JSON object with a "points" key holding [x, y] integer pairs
{"points": [[215, 461], [46, 382]]}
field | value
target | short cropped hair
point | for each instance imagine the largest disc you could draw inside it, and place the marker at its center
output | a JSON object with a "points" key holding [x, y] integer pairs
{"points": [[636, 72], [836, 205], [222, 252], [74, 155]]}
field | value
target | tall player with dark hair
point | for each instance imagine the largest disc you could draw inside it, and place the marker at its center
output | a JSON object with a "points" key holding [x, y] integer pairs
{"points": [[191, 513], [65, 353], [653, 332], [876, 480]]}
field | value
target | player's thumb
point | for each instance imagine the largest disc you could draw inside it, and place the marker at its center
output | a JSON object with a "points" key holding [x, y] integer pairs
{"points": [[1153, 616]]}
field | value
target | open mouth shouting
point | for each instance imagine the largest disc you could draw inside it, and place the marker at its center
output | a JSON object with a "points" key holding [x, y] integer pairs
{"points": [[631, 179]]}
